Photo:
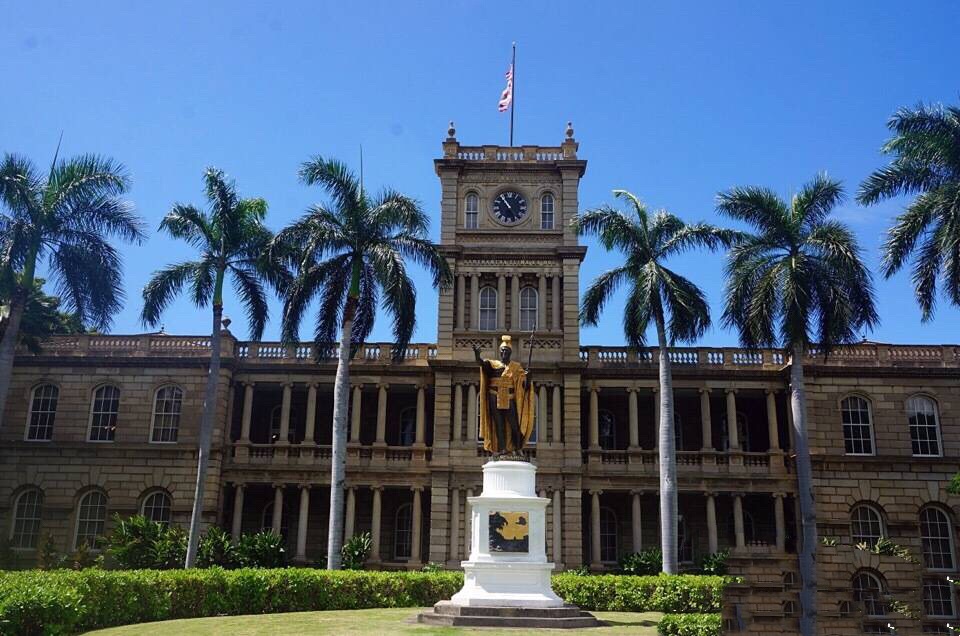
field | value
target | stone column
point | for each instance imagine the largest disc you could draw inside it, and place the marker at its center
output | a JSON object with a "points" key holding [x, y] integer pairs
{"points": [[457, 412], [634, 422], [773, 430], [706, 424], [421, 415], [472, 412], [781, 525], [417, 522], [515, 303], [594, 419], [375, 525], [542, 406], [501, 302], [382, 414], [637, 521], [467, 524], [595, 529], [474, 301], [302, 523], [556, 304], [738, 520], [557, 414], [712, 542], [311, 423], [454, 524], [541, 302], [557, 529], [732, 433], [349, 518], [277, 508], [247, 414], [355, 415], [285, 413], [237, 527], [461, 290]]}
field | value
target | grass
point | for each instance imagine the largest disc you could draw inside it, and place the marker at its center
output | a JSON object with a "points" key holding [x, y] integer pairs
{"points": [[373, 621]]}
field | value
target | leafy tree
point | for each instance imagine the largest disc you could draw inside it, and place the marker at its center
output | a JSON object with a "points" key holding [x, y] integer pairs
{"points": [[926, 150], [62, 220], [350, 254], [232, 240], [675, 305], [42, 318], [799, 280]]}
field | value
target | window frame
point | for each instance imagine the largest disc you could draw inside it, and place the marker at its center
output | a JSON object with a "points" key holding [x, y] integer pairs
{"points": [[37, 520], [925, 538], [407, 412], [610, 513], [489, 290], [527, 291], [880, 521], [869, 426], [879, 585], [952, 596], [938, 434], [469, 214], [154, 414], [613, 429], [148, 496], [116, 414], [407, 531], [94, 543], [52, 414], [544, 212]]}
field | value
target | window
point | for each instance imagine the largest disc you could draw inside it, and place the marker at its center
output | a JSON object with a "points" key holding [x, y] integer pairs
{"points": [[866, 525], [26, 520], [275, 413], [924, 427], [91, 518], [546, 212], [684, 543], [43, 412], [937, 598], [868, 590], [528, 309], [471, 211], [167, 404], [488, 309], [857, 429], [608, 430], [608, 535], [408, 427], [156, 507], [403, 532], [936, 536], [103, 414]]}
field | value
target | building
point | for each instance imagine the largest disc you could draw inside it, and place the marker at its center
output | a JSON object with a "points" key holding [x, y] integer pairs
{"points": [[98, 425]]}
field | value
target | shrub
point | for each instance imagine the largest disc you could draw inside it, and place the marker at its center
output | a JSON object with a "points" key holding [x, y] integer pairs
{"points": [[645, 563], [662, 593], [133, 541], [715, 563], [170, 549], [216, 548], [690, 625], [356, 551], [261, 550]]}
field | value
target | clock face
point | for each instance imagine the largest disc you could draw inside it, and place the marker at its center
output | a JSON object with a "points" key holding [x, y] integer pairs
{"points": [[510, 207]]}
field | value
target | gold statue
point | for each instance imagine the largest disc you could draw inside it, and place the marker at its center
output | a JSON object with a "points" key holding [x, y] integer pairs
{"points": [[506, 404]]}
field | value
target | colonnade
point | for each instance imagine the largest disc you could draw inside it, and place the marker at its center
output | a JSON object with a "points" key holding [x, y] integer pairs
{"points": [[472, 322]]}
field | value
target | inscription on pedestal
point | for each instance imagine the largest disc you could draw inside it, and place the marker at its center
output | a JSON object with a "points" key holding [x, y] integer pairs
{"points": [[509, 531]]}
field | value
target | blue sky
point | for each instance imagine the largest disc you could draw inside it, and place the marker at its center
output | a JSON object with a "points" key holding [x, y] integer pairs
{"points": [[673, 101]]}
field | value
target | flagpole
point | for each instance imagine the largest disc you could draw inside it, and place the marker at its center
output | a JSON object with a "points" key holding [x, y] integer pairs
{"points": [[513, 98]]}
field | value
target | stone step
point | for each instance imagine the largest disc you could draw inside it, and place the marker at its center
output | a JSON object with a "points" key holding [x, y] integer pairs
{"points": [[449, 609], [579, 622]]}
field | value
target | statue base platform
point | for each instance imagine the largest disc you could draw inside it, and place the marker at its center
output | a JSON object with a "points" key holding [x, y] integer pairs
{"points": [[565, 617]]}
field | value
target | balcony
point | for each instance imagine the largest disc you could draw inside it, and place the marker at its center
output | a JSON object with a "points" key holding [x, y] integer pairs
{"points": [[646, 462], [321, 456]]}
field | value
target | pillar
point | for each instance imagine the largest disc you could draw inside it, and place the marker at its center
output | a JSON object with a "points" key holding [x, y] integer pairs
{"points": [[773, 430], [542, 405], [732, 433], [637, 521], [594, 419], [421, 415], [417, 523], [302, 523], [375, 525], [594, 528], [381, 414], [454, 524], [355, 413], [457, 412], [350, 516], [247, 412], [557, 528], [634, 418], [541, 302], [285, 413], [277, 508], [461, 290], [474, 301], [501, 302], [738, 520], [237, 527], [555, 309], [706, 424], [781, 525], [472, 413], [713, 544], [515, 302], [467, 524], [311, 422]]}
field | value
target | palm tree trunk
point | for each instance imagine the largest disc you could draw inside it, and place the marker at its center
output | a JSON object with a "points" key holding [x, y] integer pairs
{"points": [[8, 348], [808, 516], [206, 433], [668, 457], [338, 468]]}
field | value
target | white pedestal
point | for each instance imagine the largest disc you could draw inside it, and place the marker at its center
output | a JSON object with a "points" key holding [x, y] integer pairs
{"points": [[508, 571]]}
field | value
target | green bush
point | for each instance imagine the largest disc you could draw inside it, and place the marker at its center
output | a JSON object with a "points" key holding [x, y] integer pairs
{"points": [[715, 563], [216, 548], [645, 563], [133, 542], [663, 593], [690, 625], [356, 551], [261, 550]]}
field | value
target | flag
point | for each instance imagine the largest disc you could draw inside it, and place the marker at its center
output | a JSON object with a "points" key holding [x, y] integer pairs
{"points": [[506, 97]]}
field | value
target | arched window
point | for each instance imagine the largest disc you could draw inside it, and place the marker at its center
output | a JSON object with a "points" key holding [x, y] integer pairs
{"points": [[167, 404], [924, 426], [866, 525], [938, 598], [546, 211], [91, 519], [868, 590], [408, 426], [857, 426], [275, 424], [103, 413], [266, 520], [43, 412], [26, 519], [608, 430], [471, 211], [936, 536], [488, 309], [528, 308], [403, 532], [156, 507], [609, 535]]}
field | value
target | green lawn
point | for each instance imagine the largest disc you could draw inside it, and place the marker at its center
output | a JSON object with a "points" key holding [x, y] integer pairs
{"points": [[358, 622]]}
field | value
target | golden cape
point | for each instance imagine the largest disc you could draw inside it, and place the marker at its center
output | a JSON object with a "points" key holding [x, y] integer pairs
{"points": [[512, 377]]}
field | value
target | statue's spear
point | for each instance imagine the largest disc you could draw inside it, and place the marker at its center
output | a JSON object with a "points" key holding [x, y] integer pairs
{"points": [[523, 406]]}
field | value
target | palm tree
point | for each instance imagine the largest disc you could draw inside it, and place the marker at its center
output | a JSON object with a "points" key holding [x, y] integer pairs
{"points": [[349, 254], [799, 280], [231, 239], [42, 318], [926, 147], [675, 305], [62, 220]]}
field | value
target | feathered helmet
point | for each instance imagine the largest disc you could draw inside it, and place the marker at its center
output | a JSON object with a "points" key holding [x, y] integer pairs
{"points": [[506, 343]]}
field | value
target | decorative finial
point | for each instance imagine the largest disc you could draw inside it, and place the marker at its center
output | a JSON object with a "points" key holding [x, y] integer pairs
{"points": [[451, 131], [162, 328], [569, 130], [226, 323]]}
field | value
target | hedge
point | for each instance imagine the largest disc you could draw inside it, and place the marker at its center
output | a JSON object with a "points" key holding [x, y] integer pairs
{"points": [[690, 625], [66, 601]]}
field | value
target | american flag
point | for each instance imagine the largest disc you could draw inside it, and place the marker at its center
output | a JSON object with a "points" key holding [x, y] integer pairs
{"points": [[506, 97]]}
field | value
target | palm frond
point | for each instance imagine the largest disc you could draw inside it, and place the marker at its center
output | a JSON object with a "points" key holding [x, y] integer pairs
{"points": [[399, 295], [393, 211], [760, 207], [163, 287], [817, 199], [187, 223], [334, 176], [246, 283], [599, 293], [687, 304], [89, 279]]}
